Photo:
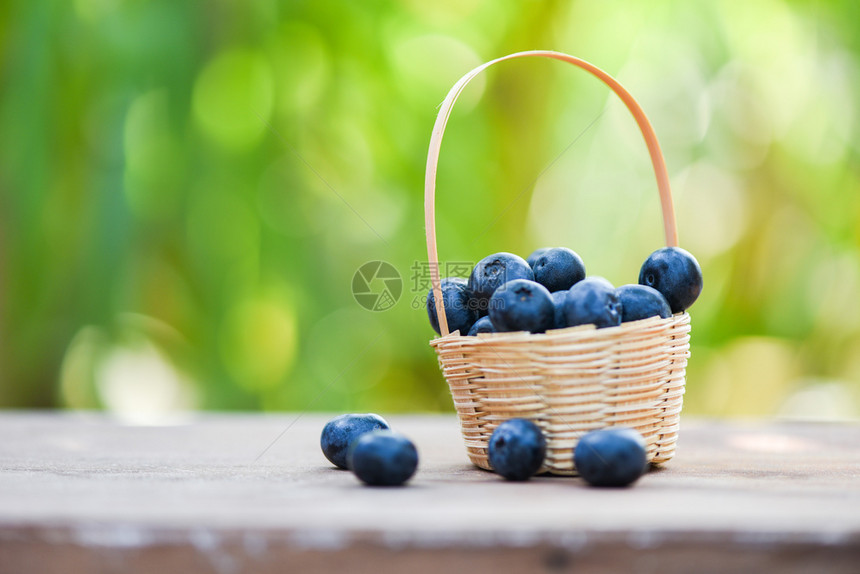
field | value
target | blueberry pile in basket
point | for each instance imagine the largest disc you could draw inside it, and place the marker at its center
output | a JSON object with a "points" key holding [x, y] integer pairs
{"points": [[365, 444], [550, 290]]}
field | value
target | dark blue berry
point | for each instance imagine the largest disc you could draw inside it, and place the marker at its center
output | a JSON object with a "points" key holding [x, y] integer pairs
{"points": [[558, 269], [676, 274], [558, 299], [592, 301], [492, 272], [522, 305], [611, 457], [341, 431], [641, 302], [383, 458], [482, 325], [517, 449], [459, 308], [532, 259]]}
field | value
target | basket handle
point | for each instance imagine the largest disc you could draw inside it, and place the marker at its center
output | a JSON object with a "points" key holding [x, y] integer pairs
{"points": [[657, 160]]}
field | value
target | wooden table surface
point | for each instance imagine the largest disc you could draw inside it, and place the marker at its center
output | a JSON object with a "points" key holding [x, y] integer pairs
{"points": [[85, 493]]}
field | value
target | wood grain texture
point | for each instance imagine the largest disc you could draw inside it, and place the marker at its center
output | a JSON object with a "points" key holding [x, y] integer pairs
{"points": [[79, 492]]}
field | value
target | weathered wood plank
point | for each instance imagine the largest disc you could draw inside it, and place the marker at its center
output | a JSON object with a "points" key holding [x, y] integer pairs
{"points": [[80, 490]]}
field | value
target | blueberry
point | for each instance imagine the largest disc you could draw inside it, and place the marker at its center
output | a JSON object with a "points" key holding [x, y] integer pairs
{"points": [[517, 449], [532, 259], [558, 299], [558, 268], [676, 274], [522, 305], [482, 325], [641, 302], [611, 457], [341, 431], [459, 309], [383, 458], [592, 300], [492, 272]]}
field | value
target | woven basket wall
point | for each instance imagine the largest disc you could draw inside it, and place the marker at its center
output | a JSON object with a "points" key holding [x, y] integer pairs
{"points": [[570, 381]]}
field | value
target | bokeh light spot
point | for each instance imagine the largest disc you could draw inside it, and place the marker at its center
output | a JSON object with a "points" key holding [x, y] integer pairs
{"points": [[76, 374], [93, 10], [832, 292], [303, 66], [258, 341], [749, 377], [233, 98], [151, 156], [822, 400], [137, 383], [711, 209], [428, 65]]}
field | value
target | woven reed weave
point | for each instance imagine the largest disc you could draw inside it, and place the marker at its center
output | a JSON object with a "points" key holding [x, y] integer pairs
{"points": [[569, 381]]}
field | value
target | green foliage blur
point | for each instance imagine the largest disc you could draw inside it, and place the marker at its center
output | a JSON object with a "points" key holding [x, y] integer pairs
{"points": [[187, 188]]}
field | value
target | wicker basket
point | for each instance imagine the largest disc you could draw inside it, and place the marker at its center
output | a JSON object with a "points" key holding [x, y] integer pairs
{"points": [[568, 381]]}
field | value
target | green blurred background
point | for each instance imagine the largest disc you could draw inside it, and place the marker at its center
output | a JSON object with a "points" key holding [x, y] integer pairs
{"points": [[187, 188]]}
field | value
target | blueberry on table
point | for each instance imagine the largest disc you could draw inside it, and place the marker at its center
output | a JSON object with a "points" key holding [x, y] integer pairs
{"points": [[482, 325], [517, 449], [522, 305], [676, 274], [611, 457], [492, 272], [459, 308], [558, 299], [592, 301], [342, 430], [383, 458], [558, 268], [641, 302], [532, 259]]}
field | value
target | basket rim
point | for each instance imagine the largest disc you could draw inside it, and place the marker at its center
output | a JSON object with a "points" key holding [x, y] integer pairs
{"points": [[566, 334]]}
